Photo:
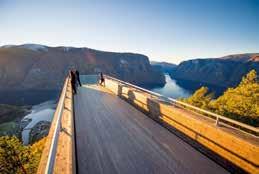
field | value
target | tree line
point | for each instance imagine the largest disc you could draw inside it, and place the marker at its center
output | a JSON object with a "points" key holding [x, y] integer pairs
{"points": [[240, 103]]}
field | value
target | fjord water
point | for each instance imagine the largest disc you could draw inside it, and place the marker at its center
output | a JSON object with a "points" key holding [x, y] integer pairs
{"points": [[40, 112], [171, 89], [176, 88]]}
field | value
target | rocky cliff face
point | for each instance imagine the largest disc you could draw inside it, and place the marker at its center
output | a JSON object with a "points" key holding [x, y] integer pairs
{"points": [[40, 67], [225, 71]]}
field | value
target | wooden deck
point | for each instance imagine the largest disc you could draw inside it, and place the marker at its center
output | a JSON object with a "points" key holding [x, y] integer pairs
{"points": [[113, 137]]}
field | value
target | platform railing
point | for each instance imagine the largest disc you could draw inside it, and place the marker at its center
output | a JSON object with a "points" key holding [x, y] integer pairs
{"points": [[219, 119], [57, 128]]}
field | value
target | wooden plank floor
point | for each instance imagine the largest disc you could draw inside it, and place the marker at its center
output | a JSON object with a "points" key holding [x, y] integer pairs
{"points": [[115, 138]]}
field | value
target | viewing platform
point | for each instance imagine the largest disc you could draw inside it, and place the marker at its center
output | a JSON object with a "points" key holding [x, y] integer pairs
{"points": [[122, 128]]}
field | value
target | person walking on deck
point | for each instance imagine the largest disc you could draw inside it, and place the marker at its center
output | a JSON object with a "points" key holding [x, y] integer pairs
{"points": [[102, 81], [73, 81], [78, 77]]}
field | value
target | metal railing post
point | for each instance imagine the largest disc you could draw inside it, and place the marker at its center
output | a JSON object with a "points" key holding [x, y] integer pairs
{"points": [[217, 121]]}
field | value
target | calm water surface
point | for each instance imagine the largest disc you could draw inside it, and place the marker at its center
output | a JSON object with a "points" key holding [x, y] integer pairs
{"points": [[171, 89], [183, 88], [41, 112]]}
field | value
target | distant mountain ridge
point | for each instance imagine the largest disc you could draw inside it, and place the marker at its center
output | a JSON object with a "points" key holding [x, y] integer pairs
{"points": [[225, 71], [249, 57], [164, 66], [33, 66]]}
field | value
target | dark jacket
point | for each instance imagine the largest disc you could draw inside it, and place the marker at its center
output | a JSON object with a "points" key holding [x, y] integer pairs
{"points": [[73, 77]]}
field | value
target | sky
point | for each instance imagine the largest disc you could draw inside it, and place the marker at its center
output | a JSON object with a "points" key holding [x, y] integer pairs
{"points": [[164, 30]]}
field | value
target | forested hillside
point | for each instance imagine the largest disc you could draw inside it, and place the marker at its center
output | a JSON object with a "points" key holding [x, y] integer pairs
{"points": [[240, 103], [225, 71], [16, 158]]}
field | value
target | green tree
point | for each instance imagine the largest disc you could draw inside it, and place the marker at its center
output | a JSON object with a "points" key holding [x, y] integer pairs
{"points": [[16, 158], [201, 98], [240, 103], [13, 155], [250, 78], [36, 151]]}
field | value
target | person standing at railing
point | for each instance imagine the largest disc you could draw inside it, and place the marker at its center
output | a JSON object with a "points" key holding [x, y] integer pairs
{"points": [[78, 77], [102, 81], [73, 81]]}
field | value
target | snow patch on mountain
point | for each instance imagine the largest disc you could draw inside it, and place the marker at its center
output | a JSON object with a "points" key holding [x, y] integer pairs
{"points": [[122, 61], [7, 46], [35, 47], [66, 49]]}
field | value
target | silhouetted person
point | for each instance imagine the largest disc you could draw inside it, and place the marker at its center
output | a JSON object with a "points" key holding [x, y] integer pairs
{"points": [[102, 81], [73, 81], [78, 77]]}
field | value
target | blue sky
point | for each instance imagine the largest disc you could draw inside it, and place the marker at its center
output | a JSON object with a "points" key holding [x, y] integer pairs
{"points": [[164, 30]]}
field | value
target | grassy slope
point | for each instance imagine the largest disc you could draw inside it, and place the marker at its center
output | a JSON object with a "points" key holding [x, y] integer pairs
{"points": [[8, 126], [9, 118], [10, 113]]}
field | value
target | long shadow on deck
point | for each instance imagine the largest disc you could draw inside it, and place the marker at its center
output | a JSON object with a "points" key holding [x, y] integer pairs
{"points": [[98, 134], [154, 112]]}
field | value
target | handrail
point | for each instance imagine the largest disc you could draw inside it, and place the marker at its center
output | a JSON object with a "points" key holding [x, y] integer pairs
{"points": [[176, 102], [53, 147]]}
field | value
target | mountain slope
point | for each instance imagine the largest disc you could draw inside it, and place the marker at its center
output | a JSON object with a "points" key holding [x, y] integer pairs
{"points": [[32, 66], [164, 66], [225, 71]]}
